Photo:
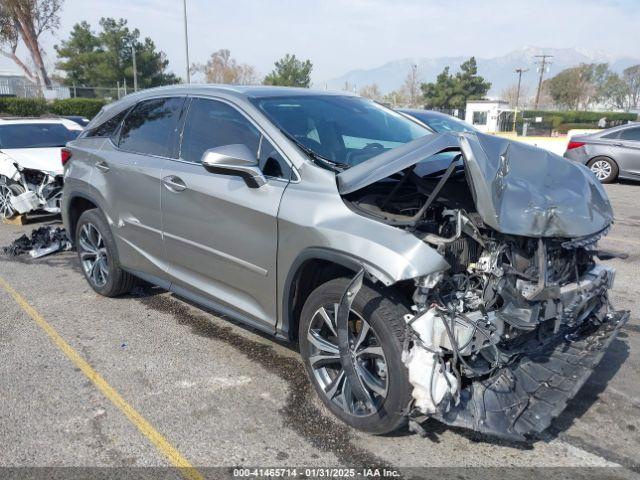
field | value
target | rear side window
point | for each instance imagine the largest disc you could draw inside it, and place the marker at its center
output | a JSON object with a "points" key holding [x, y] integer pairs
{"points": [[631, 134], [150, 128], [212, 124], [107, 128]]}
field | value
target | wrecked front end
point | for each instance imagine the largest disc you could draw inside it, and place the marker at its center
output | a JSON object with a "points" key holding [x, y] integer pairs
{"points": [[501, 340], [37, 190]]}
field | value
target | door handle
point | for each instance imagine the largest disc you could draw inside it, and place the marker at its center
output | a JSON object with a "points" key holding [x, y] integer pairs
{"points": [[102, 166], [173, 183]]}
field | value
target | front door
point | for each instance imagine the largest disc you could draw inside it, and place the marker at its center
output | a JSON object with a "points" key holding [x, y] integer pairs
{"points": [[220, 236]]}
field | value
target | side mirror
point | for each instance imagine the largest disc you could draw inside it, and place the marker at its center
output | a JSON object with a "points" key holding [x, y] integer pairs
{"points": [[235, 160]]}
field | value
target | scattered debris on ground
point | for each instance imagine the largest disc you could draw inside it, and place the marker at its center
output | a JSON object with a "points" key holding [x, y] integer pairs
{"points": [[43, 241]]}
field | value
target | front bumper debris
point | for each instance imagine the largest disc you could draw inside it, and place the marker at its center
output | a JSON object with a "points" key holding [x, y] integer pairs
{"points": [[520, 400]]}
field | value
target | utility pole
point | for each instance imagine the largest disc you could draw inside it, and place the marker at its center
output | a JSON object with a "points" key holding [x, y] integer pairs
{"points": [[543, 62], [186, 39], [135, 68], [519, 71]]}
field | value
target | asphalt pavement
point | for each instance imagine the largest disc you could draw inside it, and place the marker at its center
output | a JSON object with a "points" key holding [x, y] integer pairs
{"points": [[149, 380]]}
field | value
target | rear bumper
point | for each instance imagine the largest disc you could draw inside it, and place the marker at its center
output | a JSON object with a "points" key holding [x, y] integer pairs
{"points": [[521, 400]]}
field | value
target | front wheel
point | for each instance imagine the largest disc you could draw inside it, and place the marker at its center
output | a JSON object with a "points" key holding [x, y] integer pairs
{"points": [[376, 330], [605, 169], [8, 190]]}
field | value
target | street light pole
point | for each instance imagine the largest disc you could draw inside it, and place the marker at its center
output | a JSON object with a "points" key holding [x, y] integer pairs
{"points": [[186, 39], [135, 68], [519, 71]]}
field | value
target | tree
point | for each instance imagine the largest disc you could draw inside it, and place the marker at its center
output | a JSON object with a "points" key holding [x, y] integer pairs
{"points": [[222, 68], [614, 92], [471, 86], [26, 21], [290, 72], [371, 91], [106, 58], [411, 86], [578, 87], [631, 77], [453, 91], [510, 94]]}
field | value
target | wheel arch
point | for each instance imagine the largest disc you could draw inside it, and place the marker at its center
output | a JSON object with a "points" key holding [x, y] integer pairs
{"points": [[313, 267], [76, 205]]}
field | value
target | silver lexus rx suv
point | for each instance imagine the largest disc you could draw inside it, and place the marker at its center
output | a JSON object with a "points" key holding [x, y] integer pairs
{"points": [[453, 275]]}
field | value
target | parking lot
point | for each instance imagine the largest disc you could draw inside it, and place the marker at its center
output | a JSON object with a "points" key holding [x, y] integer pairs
{"points": [[181, 384]]}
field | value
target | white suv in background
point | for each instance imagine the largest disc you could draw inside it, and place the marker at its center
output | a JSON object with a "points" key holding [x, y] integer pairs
{"points": [[31, 160]]}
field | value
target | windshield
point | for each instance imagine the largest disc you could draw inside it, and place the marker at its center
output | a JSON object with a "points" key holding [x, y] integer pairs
{"points": [[442, 123], [35, 135], [342, 129]]}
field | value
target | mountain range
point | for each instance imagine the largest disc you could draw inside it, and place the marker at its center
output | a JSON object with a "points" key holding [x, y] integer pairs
{"points": [[498, 70]]}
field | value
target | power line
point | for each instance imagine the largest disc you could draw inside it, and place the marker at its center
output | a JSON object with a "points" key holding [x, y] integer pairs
{"points": [[542, 63]]}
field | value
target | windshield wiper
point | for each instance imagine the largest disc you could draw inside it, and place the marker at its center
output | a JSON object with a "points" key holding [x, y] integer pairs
{"points": [[325, 162]]}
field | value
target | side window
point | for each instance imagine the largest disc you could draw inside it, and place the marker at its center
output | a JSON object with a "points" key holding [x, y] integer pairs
{"points": [[107, 128], [611, 135], [212, 124], [631, 134], [271, 162], [150, 127]]}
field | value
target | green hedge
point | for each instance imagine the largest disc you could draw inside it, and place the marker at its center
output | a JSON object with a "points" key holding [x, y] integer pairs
{"points": [[86, 107], [558, 118], [23, 107], [36, 107]]}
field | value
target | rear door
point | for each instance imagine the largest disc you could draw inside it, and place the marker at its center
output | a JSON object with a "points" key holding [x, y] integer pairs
{"points": [[128, 176], [629, 156], [221, 236]]}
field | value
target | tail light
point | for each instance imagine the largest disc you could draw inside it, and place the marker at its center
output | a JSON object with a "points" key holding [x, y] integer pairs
{"points": [[65, 156], [573, 145]]}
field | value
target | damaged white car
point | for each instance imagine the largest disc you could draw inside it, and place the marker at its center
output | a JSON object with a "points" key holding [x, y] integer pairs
{"points": [[31, 163], [453, 276]]}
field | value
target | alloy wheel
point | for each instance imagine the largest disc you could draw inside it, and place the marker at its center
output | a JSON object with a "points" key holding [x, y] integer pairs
{"points": [[6, 209], [368, 358], [93, 255], [602, 169]]}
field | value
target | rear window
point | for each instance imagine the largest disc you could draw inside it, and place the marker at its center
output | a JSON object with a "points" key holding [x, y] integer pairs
{"points": [[35, 135], [150, 128], [109, 127]]}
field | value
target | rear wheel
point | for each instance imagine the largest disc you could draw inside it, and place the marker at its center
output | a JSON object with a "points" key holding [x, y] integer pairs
{"points": [[604, 168], [376, 330], [97, 253], [8, 189]]}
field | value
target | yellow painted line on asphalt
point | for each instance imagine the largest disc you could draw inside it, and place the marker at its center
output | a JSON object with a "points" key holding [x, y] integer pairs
{"points": [[161, 443]]}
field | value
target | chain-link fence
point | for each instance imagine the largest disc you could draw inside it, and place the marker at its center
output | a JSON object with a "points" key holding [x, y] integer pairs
{"points": [[19, 87]]}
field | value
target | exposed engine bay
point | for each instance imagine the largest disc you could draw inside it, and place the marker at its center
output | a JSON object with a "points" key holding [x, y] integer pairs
{"points": [[505, 337], [40, 190]]}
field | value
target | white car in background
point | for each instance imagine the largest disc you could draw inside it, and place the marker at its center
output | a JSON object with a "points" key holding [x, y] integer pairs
{"points": [[31, 161]]}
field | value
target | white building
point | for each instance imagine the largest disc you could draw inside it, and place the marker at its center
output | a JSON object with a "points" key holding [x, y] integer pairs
{"points": [[489, 116]]}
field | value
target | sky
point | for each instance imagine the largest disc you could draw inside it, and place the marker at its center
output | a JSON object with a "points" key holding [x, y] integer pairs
{"points": [[343, 35]]}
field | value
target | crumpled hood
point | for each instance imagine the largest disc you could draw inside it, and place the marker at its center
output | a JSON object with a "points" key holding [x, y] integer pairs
{"points": [[43, 159], [518, 189]]}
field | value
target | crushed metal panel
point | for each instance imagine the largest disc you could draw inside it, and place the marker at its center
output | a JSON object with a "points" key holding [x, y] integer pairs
{"points": [[524, 190], [521, 400]]}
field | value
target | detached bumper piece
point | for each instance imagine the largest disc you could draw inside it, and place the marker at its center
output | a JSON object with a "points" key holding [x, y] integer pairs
{"points": [[522, 399]]}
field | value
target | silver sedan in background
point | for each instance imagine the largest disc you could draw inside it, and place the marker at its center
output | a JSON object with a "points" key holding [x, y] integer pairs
{"points": [[610, 154]]}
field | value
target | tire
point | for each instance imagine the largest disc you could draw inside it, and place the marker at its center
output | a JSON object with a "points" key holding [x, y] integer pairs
{"points": [[384, 315], [8, 188], [605, 169], [97, 254]]}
